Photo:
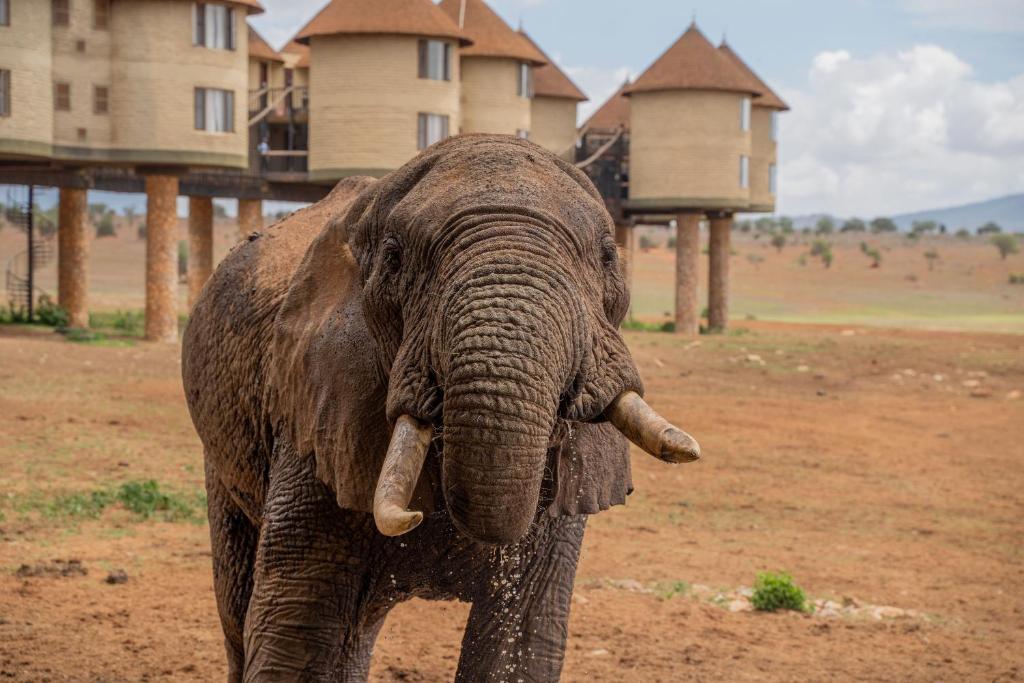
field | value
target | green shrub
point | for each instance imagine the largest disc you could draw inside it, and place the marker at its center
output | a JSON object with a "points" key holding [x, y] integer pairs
{"points": [[142, 498], [128, 322], [1006, 244], [1017, 278], [105, 225], [775, 591], [50, 314]]}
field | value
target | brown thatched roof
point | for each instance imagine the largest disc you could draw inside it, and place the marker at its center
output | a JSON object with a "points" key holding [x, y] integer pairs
{"points": [[491, 36], [550, 81], [611, 115], [260, 49], [692, 63], [295, 48], [766, 97], [403, 17]]}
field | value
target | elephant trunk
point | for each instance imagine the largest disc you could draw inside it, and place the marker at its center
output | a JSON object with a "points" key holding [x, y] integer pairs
{"points": [[511, 353]]}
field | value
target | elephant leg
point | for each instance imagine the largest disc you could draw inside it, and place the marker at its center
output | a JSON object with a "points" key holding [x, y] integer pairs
{"points": [[233, 544], [519, 621], [313, 612]]}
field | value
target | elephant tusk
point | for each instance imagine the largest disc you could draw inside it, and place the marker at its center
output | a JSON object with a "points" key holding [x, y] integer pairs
{"points": [[397, 482], [640, 424]]}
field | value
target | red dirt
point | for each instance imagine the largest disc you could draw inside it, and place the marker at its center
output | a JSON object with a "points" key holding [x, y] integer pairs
{"points": [[894, 492]]}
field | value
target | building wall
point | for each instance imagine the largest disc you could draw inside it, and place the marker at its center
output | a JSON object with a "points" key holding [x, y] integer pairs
{"points": [[763, 155], [155, 70], [490, 97], [81, 58], [553, 124], [26, 51], [365, 97], [685, 150]]}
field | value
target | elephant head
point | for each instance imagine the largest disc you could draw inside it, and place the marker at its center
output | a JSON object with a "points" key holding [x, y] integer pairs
{"points": [[490, 293]]}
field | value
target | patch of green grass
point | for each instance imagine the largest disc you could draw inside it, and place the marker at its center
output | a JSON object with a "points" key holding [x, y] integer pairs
{"points": [[94, 338], [667, 591], [129, 323], [776, 591], [144, 499], [641, 326]]}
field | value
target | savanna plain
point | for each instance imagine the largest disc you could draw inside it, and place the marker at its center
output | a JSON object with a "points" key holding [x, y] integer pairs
{"points": [[862, 430]]}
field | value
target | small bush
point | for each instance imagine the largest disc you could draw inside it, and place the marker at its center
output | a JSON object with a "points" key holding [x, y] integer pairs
{"points": [[1006, 244], [671, 243], [142, 498], [105, 225], [1017, 278], [50, 314], [773, 592], [646, 243], [128, 322]]}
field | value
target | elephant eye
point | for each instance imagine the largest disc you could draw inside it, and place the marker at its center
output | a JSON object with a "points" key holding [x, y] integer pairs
{"points": [[391, 256], [609, 252]]}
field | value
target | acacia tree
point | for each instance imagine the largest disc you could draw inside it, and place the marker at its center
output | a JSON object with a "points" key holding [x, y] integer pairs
{"points": [[778, 241], [882, 224], [1006, 244]]}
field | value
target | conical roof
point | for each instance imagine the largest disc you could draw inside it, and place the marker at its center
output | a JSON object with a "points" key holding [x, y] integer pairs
{"points": [[402, 17], [550, 81], [611, 115], [260, 49], [300, 51], [491, 36], [692, 63], [766, 97]]}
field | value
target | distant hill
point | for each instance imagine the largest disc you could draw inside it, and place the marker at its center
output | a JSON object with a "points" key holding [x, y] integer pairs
{"points": [[1007, 211]]}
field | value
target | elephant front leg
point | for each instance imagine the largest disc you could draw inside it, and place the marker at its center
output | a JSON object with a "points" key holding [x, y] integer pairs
{"points": [[311, 615], [519, 621]]}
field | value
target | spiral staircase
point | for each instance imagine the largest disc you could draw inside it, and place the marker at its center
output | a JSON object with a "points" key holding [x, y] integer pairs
{"points": [[19, 277]]}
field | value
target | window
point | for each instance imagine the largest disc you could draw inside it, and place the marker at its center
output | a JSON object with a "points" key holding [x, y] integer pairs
{"points": [[525, 80], [745, 115], [100, 99], [5, 13], [62, 96], [744, 171], [773, 179], [215, 110], [435, 60], [83, 134], [775, 126], [61, 13], [432, 128], [5, 92], [213, 26], [100, 14]]}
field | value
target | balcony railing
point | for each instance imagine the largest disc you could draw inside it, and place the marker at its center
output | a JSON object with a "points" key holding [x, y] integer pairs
{"points": [[279, 161], [278, 103]]}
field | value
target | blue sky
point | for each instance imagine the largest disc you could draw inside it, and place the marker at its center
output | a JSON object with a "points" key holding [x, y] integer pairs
{"points": [[898, 105]]}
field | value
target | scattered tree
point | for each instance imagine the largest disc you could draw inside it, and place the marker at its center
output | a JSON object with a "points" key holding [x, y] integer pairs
{"points": [[823, 250], [105, 225], [182, 260], [786, 225], [824, 226], [219, 211], [778, 241], [743, 226], [872, 253], [931, 256], [646, 243], [923, 228], [882, 224], [990, 228], [1006, 244], [764, 224], [853, 225], [963, 234], [671, 242]]}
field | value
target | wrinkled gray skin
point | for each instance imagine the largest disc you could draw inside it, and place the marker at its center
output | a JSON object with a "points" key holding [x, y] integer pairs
{"points": [[476, 289]]}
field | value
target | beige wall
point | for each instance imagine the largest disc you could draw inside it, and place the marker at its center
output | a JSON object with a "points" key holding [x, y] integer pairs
{"points": [[25, 50], [82, 69], [685, 147], [763, 154], [490, 97], [365, 95], [553, 124], [155, 71]]}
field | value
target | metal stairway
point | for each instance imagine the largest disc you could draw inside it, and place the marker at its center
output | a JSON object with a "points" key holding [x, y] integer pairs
{"points": [[40, 250]]}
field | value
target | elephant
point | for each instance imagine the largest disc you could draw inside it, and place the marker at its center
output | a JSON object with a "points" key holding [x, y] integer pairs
{"points": [[416, 388]]}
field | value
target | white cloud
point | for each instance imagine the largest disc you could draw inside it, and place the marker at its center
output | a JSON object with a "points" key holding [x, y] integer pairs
{"points": [[894, 133], [597, 83], [284, 18], [994, 16]]}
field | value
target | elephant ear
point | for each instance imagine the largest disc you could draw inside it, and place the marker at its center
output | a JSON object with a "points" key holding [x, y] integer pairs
{"points": [[327, 393], [591, 469]]}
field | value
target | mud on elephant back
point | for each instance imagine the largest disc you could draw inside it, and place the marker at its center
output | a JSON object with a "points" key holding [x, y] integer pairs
{"points": [[416, 387]]}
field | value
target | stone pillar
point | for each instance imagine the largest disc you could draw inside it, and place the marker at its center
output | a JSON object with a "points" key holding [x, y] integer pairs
{"points": [[687, 260], [200, 245], [718, 272], [161, 258], [250, 217], [73, 256], [624, 239]]}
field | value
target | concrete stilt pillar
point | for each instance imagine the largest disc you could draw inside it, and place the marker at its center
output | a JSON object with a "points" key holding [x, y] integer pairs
{"points": [[250, 217], [687, 260], [161, 258], [718, 272], [200, 245], [73, 256]]}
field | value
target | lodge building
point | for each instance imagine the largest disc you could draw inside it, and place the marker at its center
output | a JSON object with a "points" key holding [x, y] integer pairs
{"points": [[183, 97]]}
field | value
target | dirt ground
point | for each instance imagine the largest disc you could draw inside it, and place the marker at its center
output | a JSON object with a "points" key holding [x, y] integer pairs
{"points": [[879, 467]]}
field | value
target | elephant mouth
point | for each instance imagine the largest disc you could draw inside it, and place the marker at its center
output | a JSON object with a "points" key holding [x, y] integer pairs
{"points": [[411, 439]]}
